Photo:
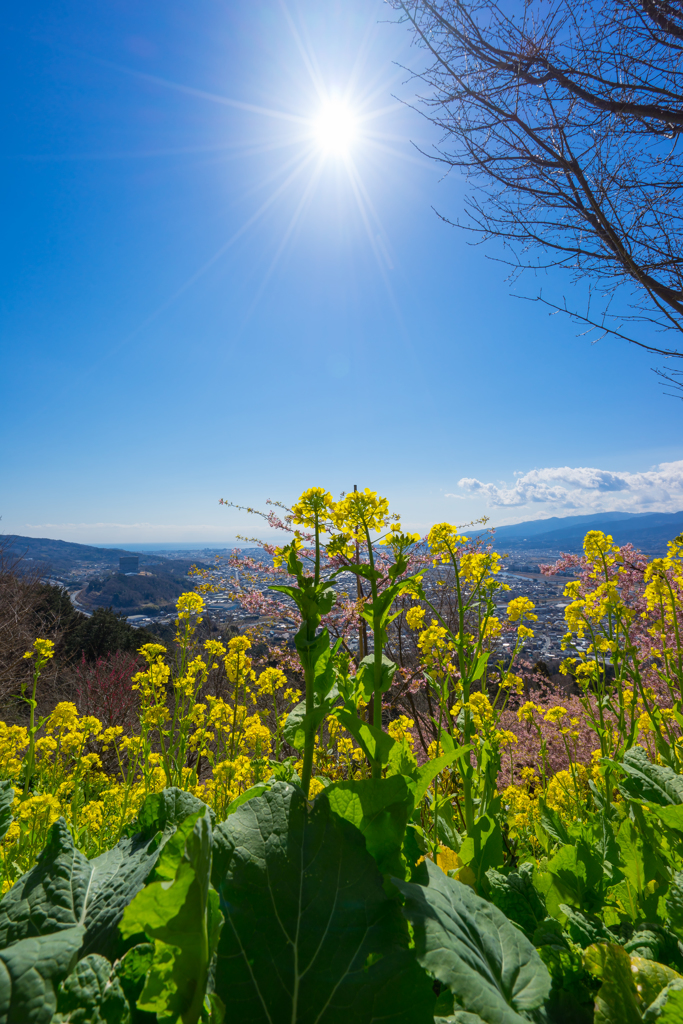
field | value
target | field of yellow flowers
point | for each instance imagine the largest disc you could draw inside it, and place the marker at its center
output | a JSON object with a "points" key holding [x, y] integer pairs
{"points": [[301, 848]]}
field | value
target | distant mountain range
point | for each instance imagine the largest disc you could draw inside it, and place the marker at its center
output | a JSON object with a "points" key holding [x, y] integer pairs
{"points": [[56, 554], [649, 531]]}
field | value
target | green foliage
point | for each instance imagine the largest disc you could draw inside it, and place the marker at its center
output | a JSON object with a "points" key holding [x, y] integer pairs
{"points": [[380, 809], [30, 970], [470, 946], [483, 848], [310, 933], [103, 632], [573, 876], [6, 798], [647, 781], [514, 894], [90, 995], [617, 1001], [179, 912], [65, 889]]}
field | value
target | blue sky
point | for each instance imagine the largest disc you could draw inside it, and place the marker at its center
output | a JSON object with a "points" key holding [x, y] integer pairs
{"points": [[199, 302]]}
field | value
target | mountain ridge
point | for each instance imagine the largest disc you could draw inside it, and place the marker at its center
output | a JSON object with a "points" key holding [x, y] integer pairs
{"points": [[650, 531]]}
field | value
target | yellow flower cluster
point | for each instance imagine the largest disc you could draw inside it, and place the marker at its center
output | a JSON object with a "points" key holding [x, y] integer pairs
{"points": [[436, 649]]}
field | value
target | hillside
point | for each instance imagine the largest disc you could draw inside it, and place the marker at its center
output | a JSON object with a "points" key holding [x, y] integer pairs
{"points": [[128, 595], [58, 555], [649, 531]]}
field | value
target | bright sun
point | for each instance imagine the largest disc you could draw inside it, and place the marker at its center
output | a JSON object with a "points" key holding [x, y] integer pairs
{"points": [[334, 127]]}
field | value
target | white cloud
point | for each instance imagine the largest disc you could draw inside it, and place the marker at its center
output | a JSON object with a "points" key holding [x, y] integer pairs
{"points": [[586, 489]]}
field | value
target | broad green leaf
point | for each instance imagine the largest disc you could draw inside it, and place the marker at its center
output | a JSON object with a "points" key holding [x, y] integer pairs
{"points": [[651, 977], [366, 675], [470, 946], [161, 812], [131, 972], [514, 894], [585, 929], [459, 1017], [573, 876], [315, 655], [380, 809], [248, 794], [6, 798], [482, 848], [571, 996], [377, 745], [632, 855], [64, 889], [30, 970], [401, 760], [90, 995], [447, 826], [667, 1008], [552, 823], [625, 898], [617, 1001], [648, 781], [653, 941], [670, 814], [294, 731], [480, 666], [309, 934], [181, 915], [674, 904], [428, 772]]}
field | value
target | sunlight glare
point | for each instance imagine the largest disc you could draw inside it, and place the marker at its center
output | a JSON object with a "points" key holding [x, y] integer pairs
{"points": [[335, 127]]}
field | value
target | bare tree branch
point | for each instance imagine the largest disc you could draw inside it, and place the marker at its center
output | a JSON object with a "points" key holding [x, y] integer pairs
{"points": [[566, 117]]}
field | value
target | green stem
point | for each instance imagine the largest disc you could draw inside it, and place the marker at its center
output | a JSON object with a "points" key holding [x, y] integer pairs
{"points": [[32, 734]]}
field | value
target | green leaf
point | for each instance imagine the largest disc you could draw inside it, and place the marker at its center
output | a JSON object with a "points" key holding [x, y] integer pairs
{"points": [[376, 744], [248, 794], [428, 772], [316, 657], [380, 809], [654, 942], [584, 929], [573, 876], [401, 760], [482, 848], [29, 971], [674, 904], [131, 972], [161, 812], [181, 916], [617, 1001], [298, 721], [670, 814], [90, 995], [571, 997], [480, 666], [637, 864], [651, 978], [64, 889], [514, 894], [648, 781], [470, 946], [459, 1017], [6, 798], [365, 676], [667, 1008], [310, 934], [552, 823]]}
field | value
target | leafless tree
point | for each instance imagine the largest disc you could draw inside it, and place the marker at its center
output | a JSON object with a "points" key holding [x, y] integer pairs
{"points": [[566, 116]]}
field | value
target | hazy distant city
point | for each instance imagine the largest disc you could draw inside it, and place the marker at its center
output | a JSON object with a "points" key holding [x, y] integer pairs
{"points": [[144, 585]]}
